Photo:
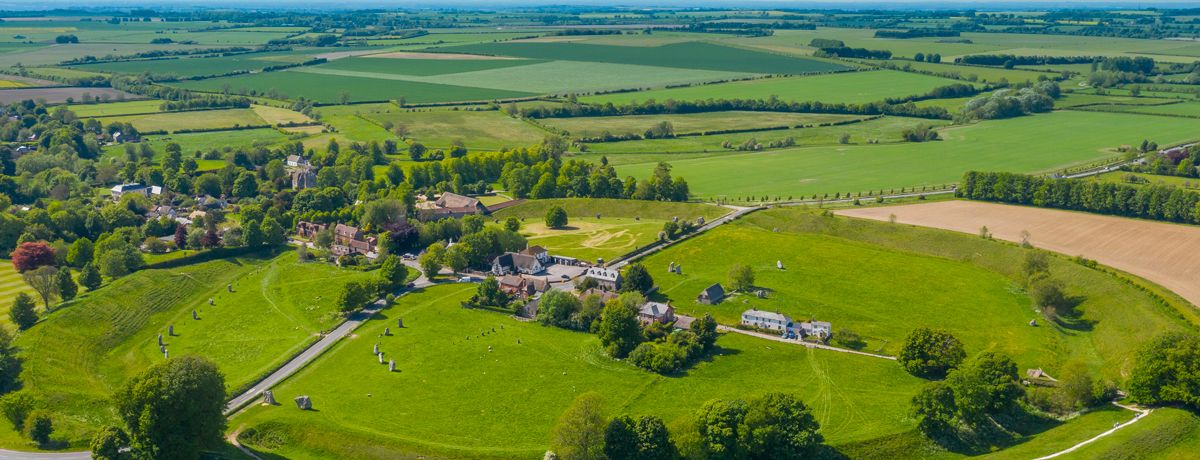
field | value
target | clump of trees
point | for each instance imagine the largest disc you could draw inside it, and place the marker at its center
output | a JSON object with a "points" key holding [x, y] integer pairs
{"points": [[1165, 371], [930, 353], [556, 217], [488, 295], [963, 407], [1008, 103], [775, 425]]}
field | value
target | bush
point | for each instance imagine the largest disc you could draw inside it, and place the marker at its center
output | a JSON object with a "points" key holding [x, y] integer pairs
{"points": [[39, 426]]}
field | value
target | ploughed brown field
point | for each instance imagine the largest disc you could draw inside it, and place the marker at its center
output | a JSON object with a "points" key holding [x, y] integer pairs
{"points": [[1160, 252]]}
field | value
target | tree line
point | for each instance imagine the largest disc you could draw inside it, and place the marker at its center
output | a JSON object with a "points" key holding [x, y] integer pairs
{"points": [[1155, 202], [773, 104]]}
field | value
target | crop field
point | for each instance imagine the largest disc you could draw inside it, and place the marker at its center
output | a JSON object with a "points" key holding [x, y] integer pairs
{"points": [[378, 63], [689, 55], [438, 128], [1025, 144], [60, 95], [689, 123], [883, 130], [980, 73], [206, 141], [1182, 109], [551, 77], [197, 119], [190, 67], [55, 54], [350, 121], [84, 351], [431, 404], [116, 108], [856, 87], [278, 116], [11, 283], [1131, 245], [329, 88]]}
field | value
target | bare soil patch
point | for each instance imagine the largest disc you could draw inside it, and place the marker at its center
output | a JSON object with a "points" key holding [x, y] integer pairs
{"points": [[1160, 252], [439, 56]]}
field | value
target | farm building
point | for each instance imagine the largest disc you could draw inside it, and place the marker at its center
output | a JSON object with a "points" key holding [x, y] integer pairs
{"points": [[450, 205], [711, 295], [766, 320], [514, 262], [813, 328], [607, 279], [119, 191], [656, 312]]}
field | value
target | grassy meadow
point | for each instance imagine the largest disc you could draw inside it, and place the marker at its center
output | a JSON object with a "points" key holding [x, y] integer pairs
{"points": [[439, 128], [116, 108], [329, 88], [1025, 144], [82, 352], [191, 120], [11, 284], [689, 123]]}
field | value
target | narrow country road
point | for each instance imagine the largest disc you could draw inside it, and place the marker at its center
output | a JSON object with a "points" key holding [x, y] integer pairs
{"points": [[1141, 413]]}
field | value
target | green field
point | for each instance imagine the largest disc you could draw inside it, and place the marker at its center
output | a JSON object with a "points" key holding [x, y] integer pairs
{"points": [[490, 130], [881, 281], [1025, 144], [452, 397], [856, 87], [328, 88], [885, 129], [552, 76], [190, 67], [11, 283], [689, 55], [1167, 433], [82, 352], [980, 73], [1182, 109], [200, 119], [206, 141], [689, 123], [422, 67], [55, 54], [115, 108]]}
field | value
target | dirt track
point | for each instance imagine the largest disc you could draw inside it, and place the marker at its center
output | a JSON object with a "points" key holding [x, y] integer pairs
{"points": [[1160, 252]]}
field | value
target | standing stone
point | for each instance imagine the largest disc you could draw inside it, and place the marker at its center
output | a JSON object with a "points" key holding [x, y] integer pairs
{"points": [[229, 287], [269, 398], [399, 322], [392, 366], [194, 316], [166, 354], [171, 330], [210, 300], [376, 349], [304, 402], [380, 358], [162, 348], [779, 264], [387, 331], [160, 343]]}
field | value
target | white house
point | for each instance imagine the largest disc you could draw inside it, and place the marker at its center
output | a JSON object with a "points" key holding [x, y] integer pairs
{"points": [[120, 190], [606, 278], [515, 262], [766, 320], [817, 328]]}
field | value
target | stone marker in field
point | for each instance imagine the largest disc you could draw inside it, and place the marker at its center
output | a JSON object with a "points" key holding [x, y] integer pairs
{"points": [[160, 343], [166, 354], [194, 316], [304, 402], [171, 330], [376, 349], [380, 358], [229, 287], [268, 398], [400, 322], [779, 264], [387, 331], [392, 366], [210, 300]]}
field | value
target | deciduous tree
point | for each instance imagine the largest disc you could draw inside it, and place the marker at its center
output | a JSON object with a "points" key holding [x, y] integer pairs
{"points": [[23, 312], [929, 353], [579, 433], [173, 410], [32, 255]]}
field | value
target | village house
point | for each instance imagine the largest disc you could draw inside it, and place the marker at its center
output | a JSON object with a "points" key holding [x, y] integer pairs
{"points": [[607, 279], [521, 286], [656, 312], [308, 230], [538, 253], [820, 329], [604, 296], [119, 191], [760, 319], [515, 262], [297, 161], [711, 295], [161, 211], [450, 205]]}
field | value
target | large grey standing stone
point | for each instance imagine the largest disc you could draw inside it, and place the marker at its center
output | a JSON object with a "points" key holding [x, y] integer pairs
{"points": [[194, 315], [160, 343], [387, 331], [304, 402], [166, 354], [269, 397], [171, 330], [400, 322], [380, 358], [392, 366], [376, 349]]}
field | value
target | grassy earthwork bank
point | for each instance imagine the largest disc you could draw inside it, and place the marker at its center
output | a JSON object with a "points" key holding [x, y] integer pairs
{"points": [[83, 351]]}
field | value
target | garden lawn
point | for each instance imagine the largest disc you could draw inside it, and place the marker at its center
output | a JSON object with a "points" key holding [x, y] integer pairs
{"points": [[81, 353], [191, 120], [329, 88], [11, 283], [1035, 143], [436, 403], [854, 87], [689, 123], [687, 55], [438, 128]]}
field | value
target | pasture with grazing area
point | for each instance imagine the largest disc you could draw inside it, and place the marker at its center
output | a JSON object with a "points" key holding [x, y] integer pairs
{"points": [[329, 88], [203, 120], [440, 127], [690, 123], [84, 351]]}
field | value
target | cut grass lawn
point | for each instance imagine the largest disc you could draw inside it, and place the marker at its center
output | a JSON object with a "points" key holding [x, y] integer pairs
{"points": [[689, 123], [854, 87], [438, 128], [79, 354], [434, 405], [687, 55], [200, 119], [1025, 144], [11, 283], [329, 88]]}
